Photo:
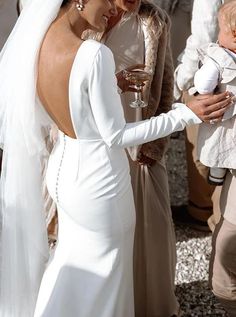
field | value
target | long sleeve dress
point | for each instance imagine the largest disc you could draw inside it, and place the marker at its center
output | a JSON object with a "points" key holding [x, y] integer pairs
{"points": [[91, 271]]}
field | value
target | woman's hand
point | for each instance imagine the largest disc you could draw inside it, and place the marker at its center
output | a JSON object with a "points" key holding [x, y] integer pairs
{"points": [[210, 108], [145, 160], [124, 84]]}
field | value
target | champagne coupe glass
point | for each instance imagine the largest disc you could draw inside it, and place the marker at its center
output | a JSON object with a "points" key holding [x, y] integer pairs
{"points": [[137, 77]]}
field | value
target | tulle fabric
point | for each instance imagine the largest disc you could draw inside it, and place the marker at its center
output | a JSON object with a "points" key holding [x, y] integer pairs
{"points": [[23, 128]]}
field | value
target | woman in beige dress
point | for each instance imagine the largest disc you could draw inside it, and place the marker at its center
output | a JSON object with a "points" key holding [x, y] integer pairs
{"points": [[139, 34]]}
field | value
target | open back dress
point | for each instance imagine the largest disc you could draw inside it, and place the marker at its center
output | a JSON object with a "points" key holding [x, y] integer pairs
{"points": [[91, 271]]}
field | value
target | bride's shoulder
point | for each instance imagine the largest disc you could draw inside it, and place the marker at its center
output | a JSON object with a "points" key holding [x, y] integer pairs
{"points": [[93, 45], [98, 50]]}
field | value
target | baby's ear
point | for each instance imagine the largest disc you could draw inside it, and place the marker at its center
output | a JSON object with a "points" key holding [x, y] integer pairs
{"points": [[234, 34]]}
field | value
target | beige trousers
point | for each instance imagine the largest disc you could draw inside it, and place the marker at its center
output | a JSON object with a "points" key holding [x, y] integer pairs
{"points": [[223, 259], [154, 247], [204, 199]]}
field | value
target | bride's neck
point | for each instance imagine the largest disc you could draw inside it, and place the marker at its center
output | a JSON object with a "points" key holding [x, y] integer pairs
{"points": [[72, 20]]}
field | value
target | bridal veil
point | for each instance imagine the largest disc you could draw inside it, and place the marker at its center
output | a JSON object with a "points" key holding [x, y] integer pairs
{"points": [[23, 127]]}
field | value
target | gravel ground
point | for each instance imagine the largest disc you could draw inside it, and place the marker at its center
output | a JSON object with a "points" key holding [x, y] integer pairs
{"points": [[193, 247]]}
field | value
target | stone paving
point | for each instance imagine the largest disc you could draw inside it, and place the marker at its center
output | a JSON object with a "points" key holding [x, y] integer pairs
{"points": [[193, 247]]}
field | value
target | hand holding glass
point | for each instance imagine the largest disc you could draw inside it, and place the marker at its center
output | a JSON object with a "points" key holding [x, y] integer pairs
{"points": [[137, 77]]}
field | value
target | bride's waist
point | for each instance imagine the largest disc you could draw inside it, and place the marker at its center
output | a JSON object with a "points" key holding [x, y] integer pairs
{"points": [[89, 158]]}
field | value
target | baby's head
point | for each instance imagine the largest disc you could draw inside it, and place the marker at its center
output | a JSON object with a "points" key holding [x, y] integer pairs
{"points": [[227, 25]]}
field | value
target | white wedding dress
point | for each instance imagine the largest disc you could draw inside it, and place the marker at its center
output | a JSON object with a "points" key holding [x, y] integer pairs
{"points": [[90, 273]]}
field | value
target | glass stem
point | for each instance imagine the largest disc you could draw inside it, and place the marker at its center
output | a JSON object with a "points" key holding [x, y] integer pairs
{"points": [[138, 94]]}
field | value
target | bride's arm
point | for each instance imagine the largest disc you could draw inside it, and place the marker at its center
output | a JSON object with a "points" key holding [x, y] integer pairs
{"points": [[109, 116]]}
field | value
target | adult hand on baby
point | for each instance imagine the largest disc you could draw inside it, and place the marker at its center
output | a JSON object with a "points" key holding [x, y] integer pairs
{"points": [[123, 83], [210, 108]]}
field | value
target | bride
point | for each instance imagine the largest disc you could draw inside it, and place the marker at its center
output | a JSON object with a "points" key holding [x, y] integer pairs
{"points": [[49, 75]]}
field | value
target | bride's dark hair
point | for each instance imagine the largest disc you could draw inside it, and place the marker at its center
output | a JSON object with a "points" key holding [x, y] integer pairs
{"points": [[65, 2]]}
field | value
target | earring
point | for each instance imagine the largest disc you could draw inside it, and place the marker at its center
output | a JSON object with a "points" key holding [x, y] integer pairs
{"points": [[79, 5]]}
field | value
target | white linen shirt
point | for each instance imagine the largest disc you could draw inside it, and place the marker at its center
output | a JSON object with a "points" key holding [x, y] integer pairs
{"points": [[204, 27]]}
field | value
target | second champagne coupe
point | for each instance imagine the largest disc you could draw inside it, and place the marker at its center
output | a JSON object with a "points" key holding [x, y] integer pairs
{"points": [[137, 77]]}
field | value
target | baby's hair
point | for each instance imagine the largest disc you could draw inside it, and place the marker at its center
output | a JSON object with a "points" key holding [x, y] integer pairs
{"points": [[228, 14]]}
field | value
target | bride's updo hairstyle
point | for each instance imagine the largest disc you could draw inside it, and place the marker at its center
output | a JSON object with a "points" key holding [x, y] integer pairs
{"points": [[64, 3]]}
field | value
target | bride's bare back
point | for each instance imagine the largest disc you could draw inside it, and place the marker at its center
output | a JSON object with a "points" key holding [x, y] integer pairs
{"points": [[55, 62]]}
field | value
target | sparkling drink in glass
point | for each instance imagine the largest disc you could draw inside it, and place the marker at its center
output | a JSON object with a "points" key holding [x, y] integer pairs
{"points": [[137, 77]]}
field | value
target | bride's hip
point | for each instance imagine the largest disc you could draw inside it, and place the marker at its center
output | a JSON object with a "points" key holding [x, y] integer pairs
{"points": [[88, 168]]}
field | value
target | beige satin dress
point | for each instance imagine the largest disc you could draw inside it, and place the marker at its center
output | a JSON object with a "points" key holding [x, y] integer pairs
{"points": [[154, 248]]}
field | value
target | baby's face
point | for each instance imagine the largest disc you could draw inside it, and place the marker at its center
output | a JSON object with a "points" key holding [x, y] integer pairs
{"points": [[226, 38]]}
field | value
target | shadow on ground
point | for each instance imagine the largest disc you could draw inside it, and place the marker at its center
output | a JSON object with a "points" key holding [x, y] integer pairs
{"points": [[184, 233], [196, 299]]}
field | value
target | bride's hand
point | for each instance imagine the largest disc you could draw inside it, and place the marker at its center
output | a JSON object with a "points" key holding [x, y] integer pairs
{"points": [[124, 84], [210, 108]]}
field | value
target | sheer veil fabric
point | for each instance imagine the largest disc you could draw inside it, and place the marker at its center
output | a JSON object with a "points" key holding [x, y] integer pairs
{"points": [[23, 127]]}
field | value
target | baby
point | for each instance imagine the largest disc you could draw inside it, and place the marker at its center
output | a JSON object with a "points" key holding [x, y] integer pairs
{"points": [[217, 141]]}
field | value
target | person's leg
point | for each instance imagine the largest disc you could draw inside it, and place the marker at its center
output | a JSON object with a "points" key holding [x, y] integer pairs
{"points": [[203, 197], [200, 192], [223, 279], [154, 248], [223, 260]]}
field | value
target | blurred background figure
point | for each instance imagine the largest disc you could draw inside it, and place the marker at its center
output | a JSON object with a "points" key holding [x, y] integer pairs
{"points": [[180, 12], [203, 197], [8, 17]]}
